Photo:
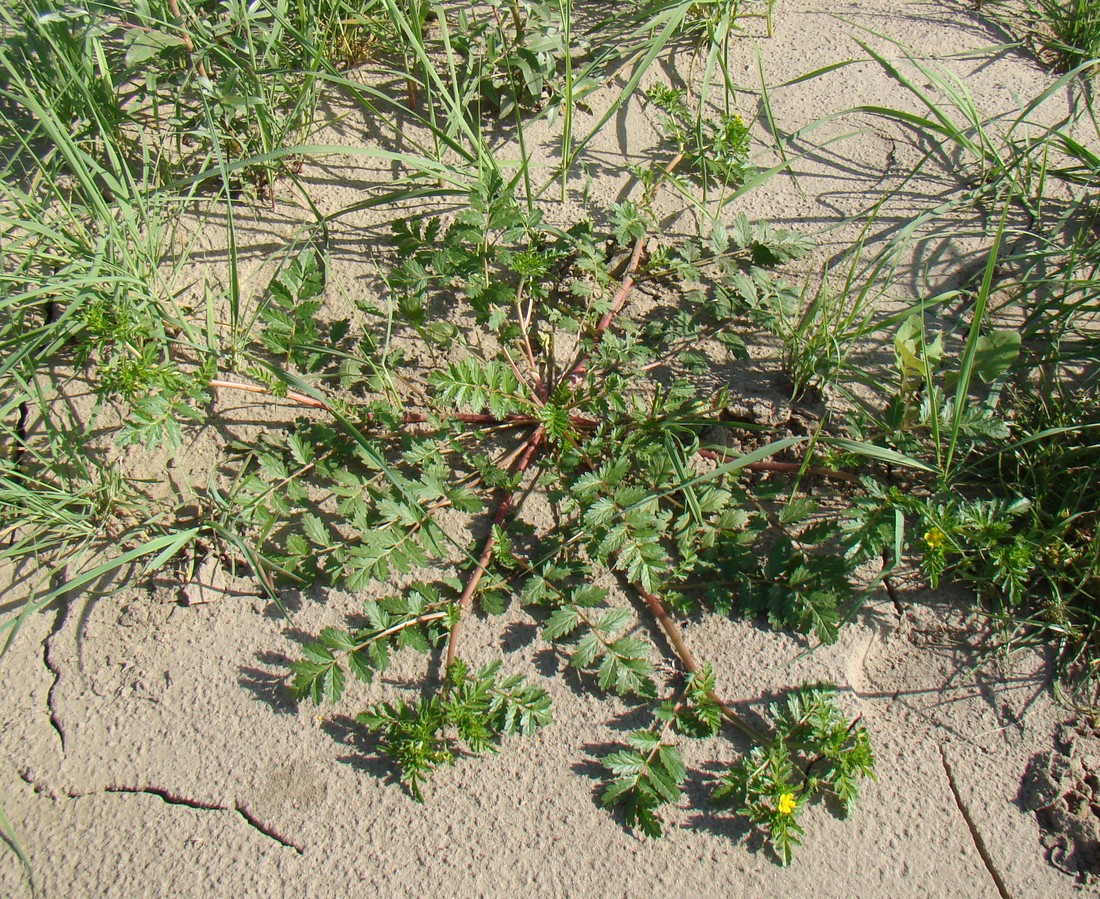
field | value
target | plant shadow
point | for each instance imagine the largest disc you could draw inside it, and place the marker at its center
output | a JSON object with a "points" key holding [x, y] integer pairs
{"points": [[366, 755], [269, 687]]}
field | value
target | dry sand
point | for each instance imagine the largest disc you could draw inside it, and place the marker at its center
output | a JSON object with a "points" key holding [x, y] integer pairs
{"points": [[148, 748]]}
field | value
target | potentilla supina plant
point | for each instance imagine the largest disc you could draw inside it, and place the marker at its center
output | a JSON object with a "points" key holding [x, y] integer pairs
{"points": [[614, 452]]}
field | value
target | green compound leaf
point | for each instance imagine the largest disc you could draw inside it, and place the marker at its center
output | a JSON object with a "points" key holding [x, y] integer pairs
{"points": [[813, 751], [478, 710], [645, 777]]}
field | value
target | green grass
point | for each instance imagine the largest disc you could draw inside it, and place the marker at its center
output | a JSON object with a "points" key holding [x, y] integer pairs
{"points": [[997, 397], [1064, 33]]}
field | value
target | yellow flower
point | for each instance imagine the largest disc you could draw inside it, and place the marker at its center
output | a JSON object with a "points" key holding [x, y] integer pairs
{"points": [[786, 804], [934, 538]]}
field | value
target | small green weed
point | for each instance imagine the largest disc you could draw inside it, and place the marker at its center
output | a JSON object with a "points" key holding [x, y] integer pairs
{"points": [[717, 149], [515, 60], [995, 396], [480, 709], [815, 751]]}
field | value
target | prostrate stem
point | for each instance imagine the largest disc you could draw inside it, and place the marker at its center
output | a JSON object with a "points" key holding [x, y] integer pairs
{"points": [[676, 638], [524, 462], [299, 398], [783, 467]]}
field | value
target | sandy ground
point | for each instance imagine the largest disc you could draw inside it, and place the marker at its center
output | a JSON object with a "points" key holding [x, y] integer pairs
{"points": [[147, 746]]}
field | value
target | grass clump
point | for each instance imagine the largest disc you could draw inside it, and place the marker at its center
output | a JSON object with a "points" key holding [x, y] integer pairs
{"points": [[992, 381], [1064, 33]]}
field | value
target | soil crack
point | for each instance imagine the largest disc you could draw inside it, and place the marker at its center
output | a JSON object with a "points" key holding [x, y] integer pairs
{"points": [[40, 786], [170, 798], [250, 819], [266, 829], [47, 660], [975, 834]]}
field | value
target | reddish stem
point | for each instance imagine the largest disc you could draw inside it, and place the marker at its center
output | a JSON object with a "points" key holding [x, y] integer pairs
{"points": [[628, 282], [299, 398], [783, 467], [624, 288], [671, 629], [503, 509], [676, 638], [474, 418], [409, 418], [621, 296]]}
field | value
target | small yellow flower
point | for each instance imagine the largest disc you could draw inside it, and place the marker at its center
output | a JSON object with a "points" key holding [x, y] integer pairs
{"points": [[786, 804], [934, 538]]}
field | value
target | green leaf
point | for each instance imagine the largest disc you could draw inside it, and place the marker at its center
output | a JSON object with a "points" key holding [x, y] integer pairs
{"points": [[617, 789], [317, 652], [585, 653], [332, 684], [917, 358], [555, 420], [413, 638], [306, 682], [644, 741], [626, 675], [440, 333], [588, 595], [144, 44], [561, 623], [361, 667], [995, 354], [315, 530], [301, 451], [797, 509], [335, 639], [492, 602], [611, 620], [477, 386]]}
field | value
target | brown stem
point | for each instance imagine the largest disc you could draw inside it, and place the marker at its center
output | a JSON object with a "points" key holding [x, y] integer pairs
{"points": [[503, 509], [299, 398], [409, 418], [783, 467], [676, 638], [188, 44], [629, 279]]}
